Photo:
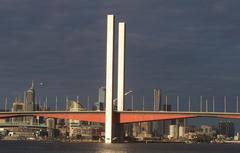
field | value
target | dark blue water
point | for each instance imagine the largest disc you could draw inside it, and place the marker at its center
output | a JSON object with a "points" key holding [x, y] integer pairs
{"points": [[42, 147]]}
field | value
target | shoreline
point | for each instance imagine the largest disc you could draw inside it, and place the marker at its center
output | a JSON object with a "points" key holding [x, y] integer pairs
{"points": [[134, 142]]}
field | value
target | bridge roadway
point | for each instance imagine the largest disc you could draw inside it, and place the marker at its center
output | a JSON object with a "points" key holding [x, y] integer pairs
{"points": [[121, 116]]}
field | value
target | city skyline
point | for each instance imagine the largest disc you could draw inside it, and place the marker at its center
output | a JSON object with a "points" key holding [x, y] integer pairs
{"points": [[183, 48], [153, 71]]}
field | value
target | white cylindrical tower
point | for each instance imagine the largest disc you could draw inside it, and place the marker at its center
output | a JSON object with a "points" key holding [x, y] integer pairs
{"points": [[173, 131], [181, 131], [109, 80], [121, 66]]}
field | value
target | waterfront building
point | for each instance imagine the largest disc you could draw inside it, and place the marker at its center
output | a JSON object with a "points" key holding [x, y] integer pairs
{"points": [[206, 129], [146, 129], [74, 125], [142, 130], [128, 129], [60, 123], [136, 129], [50, 122], [181, 131], [177, 129], [181, 125], [226, 128], [51, 128], [191, 129], [3, 132], [173, 132], [18, 106], [237, 137], [87, 132]]}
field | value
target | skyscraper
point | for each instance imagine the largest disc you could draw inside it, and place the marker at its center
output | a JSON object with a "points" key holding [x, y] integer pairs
{"points": [[29, 102], [29, 98], [157, 99], [156, 125], [102, 94], [101, 98]]}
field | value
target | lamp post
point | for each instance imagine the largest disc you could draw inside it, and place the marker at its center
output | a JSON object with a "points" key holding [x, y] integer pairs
{"points": [[177, 103], [41, 85], [56, 104], [6, 101], [225, 104], [201, 103], [88, 102], [206, 105], [237, 104], [143, 103], [125, 94], [132, 102], [213, 104], [166, 103], [189, 103], [66, 99]]}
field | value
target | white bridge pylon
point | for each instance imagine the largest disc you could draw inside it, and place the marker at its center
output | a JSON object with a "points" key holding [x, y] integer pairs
{"points": [[109, 132]]}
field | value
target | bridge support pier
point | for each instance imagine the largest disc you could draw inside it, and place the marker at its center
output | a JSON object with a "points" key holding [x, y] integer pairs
{"points": [[109, 80], [121, 66]]}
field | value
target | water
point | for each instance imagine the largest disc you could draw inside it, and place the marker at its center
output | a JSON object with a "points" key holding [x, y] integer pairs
{"points": [[43, 147]]}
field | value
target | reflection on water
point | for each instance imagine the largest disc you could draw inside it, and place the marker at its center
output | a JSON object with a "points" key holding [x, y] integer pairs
{"points": [[56, 147]]}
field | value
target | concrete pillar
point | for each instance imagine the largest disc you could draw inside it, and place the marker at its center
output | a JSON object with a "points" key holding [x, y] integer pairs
{"points": [[121, 66], [109, 80]]}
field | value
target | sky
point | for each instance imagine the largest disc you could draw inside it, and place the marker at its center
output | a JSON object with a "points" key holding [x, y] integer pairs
{"points": [[185, 48]]}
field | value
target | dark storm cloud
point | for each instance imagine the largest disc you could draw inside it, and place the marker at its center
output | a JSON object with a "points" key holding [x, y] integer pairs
{"points": [[184, 47]]}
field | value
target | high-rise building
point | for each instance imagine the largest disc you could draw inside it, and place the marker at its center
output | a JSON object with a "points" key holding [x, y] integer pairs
{"points": [[156, 125], [29, 103], [157, 99], [102, 94], [29, 98], [101, 99], [226, 128]]}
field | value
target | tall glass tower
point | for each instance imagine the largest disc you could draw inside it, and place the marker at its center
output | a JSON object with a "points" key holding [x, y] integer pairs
{"points": [[101, 99]]}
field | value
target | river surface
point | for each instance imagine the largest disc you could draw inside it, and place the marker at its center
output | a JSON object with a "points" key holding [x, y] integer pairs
{"points": [[54, 147]]}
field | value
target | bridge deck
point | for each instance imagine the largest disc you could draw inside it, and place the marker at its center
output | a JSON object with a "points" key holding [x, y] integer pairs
{"points": [[122, 116]]}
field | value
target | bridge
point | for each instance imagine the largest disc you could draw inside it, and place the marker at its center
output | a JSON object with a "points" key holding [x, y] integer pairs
{"points": [[121, 117]]}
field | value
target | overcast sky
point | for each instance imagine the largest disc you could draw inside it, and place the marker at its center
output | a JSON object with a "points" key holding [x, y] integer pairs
{"points": [[183, 47]]}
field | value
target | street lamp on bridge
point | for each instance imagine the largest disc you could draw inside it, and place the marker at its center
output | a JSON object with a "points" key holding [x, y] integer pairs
{"points": [[125, 94]]}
